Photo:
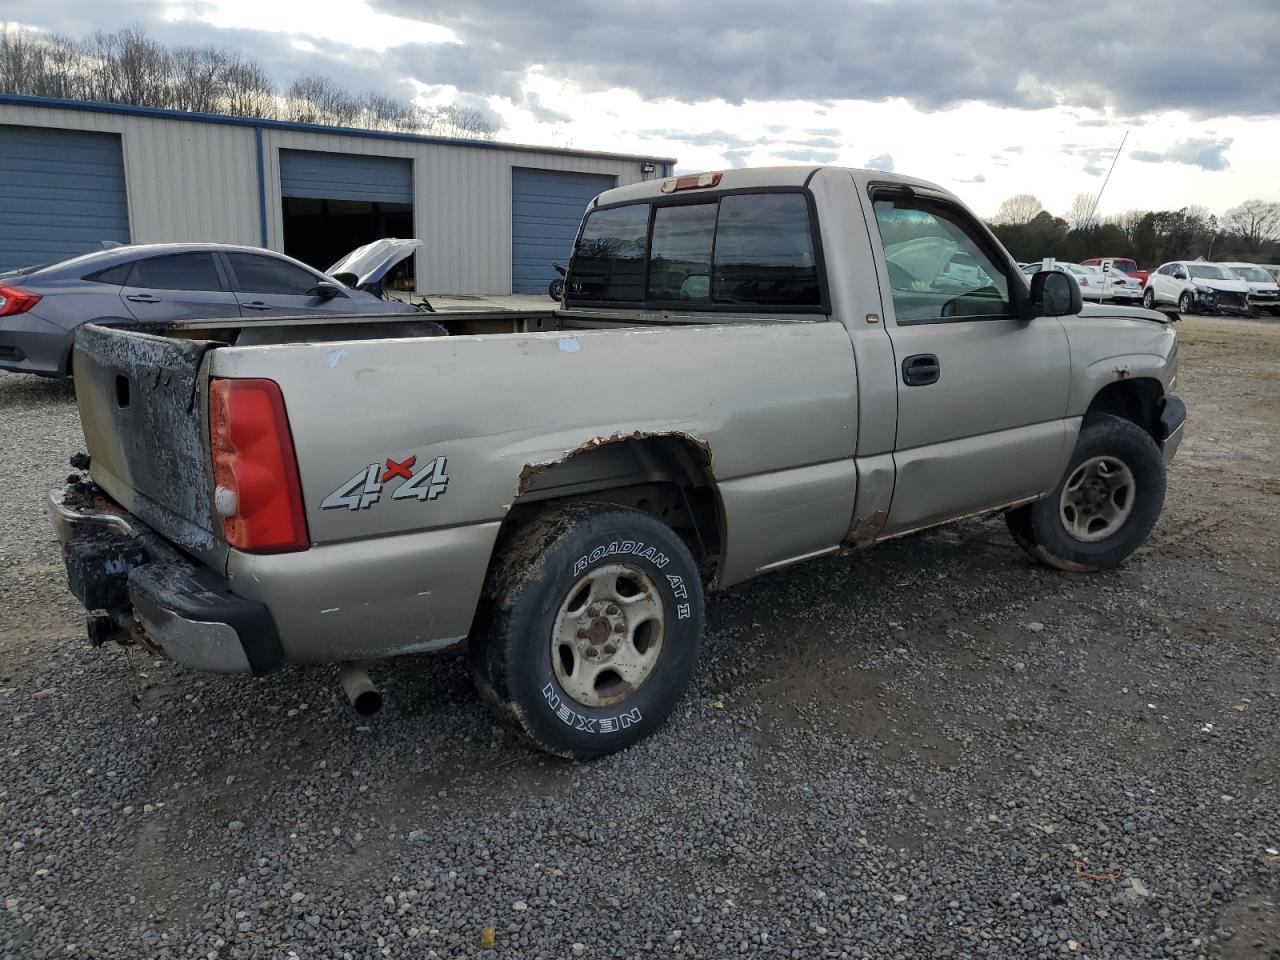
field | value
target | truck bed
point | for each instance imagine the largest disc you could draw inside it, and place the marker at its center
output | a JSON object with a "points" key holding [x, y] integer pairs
{"points": [[506, 414]]}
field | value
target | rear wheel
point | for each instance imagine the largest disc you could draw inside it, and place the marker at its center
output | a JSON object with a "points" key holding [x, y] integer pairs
{"points": [[555, 289], [589, 629], [1104, 507]]}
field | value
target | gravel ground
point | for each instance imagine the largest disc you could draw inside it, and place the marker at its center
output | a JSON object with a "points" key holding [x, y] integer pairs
{"points": [[935, 749]]}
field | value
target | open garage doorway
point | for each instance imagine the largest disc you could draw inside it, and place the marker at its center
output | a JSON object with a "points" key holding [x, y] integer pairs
{"points": [[335, 202]]}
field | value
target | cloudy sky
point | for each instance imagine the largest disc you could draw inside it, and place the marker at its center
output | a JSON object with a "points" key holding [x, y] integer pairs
{"points": [[987, 97]]}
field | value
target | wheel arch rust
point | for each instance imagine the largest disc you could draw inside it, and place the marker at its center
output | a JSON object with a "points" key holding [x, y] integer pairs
{"points": [[666, 473]]}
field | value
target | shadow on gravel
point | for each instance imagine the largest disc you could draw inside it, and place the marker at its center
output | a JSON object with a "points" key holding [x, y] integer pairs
{"points": [[29, 391]]}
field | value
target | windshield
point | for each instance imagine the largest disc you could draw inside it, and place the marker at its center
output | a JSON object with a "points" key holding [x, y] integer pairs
{"points": [[1207, 271], [1256, 274]]}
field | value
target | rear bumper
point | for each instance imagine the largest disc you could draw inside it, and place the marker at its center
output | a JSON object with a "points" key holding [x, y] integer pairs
{"points": [[118, 568], [31, 345], [1173, 417]]}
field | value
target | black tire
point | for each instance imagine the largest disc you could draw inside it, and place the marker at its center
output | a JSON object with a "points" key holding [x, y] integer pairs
{"points": [[1186, 304], [1039, 528], [555, 289], [1149, 298], [542, 569]]}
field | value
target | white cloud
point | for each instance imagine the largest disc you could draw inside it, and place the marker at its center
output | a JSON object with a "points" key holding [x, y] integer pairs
{"points": [[565, 80], [354, 23]]}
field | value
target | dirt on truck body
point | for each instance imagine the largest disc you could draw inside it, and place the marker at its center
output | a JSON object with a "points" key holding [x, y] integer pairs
{"points": [[749, 370]]}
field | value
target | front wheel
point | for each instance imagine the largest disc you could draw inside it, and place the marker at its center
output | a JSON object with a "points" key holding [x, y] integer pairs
{"points": [[1185, 302], [1149, 298], [555, 289], [589, 629], [1104, 507]]}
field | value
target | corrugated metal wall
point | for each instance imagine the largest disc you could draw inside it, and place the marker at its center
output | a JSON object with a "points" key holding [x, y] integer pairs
{"points": [[196, 180], [461, 201]]}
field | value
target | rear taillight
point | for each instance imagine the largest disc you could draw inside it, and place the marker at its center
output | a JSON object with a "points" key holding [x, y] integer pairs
{"points": [[257, 492], [16, 300]]}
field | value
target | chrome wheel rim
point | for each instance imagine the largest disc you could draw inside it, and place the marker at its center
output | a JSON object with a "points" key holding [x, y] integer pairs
{"points": [[608, 635], [1097, 499]]}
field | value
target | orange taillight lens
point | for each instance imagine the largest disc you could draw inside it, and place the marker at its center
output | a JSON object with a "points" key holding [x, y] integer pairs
{"points": [[257, 492]]}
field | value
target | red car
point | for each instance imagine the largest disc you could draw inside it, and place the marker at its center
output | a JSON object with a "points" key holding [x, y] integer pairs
{"points": [[1123, 264]]}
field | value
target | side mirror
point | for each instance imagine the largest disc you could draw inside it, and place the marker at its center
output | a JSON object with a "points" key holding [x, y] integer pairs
{"points": [[325, 290], [1055, 294]]}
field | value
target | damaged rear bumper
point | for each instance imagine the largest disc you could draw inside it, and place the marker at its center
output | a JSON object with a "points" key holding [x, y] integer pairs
{"points": [[119, 569]]}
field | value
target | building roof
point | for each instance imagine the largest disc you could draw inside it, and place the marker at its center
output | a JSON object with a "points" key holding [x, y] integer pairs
{"points": [[160, 113]]}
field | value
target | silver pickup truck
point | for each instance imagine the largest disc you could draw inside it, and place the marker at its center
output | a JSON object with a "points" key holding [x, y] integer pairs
{"points": [[748, 369]]}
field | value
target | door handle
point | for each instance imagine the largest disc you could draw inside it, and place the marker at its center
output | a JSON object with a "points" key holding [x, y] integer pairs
{"points": [[143, 298], [920, 370], [256, 305]]}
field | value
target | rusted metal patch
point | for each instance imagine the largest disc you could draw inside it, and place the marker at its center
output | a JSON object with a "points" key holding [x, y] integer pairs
{"points": [[864, 530], [530, 471]]}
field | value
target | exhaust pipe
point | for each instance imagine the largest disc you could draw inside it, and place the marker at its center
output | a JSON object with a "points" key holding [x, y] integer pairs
{"points": [[364, 696]]}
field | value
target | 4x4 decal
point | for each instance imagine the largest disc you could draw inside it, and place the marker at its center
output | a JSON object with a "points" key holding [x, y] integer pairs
{"points": [[365, 489]]}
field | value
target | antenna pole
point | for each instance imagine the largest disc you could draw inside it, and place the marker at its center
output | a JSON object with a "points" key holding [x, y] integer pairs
{"points": [[1098, 198]]}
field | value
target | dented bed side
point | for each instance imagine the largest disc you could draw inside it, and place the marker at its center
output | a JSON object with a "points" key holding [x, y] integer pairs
{"points": [[412, 452]]}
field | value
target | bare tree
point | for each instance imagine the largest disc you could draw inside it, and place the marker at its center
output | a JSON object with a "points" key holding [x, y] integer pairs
{"points": [[129, 67], [1255, 221], [456, 121], [1081, 214], [1020, 208]]}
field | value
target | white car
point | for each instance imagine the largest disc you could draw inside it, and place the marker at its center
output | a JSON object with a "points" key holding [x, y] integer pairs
{"points": [[1264, 292], [1095, 284], [1117, 284], [1194, 286]]}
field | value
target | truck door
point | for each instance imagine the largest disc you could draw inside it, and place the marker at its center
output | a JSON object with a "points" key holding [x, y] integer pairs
{"points": [[982, 392]]}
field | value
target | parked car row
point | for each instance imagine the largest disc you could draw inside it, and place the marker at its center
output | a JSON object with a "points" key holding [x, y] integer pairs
{"points": [[1105, 284], [1197, 286], [1190, 286]]}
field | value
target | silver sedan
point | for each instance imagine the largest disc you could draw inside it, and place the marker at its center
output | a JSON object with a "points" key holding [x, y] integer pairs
{"points": [[41, 307]]}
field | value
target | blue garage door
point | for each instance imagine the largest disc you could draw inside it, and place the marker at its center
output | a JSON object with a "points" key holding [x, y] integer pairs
{"points": [[546, 208], [345, 176], [61, 194]]}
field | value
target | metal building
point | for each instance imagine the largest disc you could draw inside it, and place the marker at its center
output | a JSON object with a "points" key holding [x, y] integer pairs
{"points": [[492, 216]]}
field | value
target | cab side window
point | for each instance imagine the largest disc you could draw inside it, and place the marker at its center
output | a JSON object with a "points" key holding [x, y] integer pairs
{"points": [[937, 269]]}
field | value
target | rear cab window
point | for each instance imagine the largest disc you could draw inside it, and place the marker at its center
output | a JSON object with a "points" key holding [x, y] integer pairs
{"points": [[733, 252]]}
